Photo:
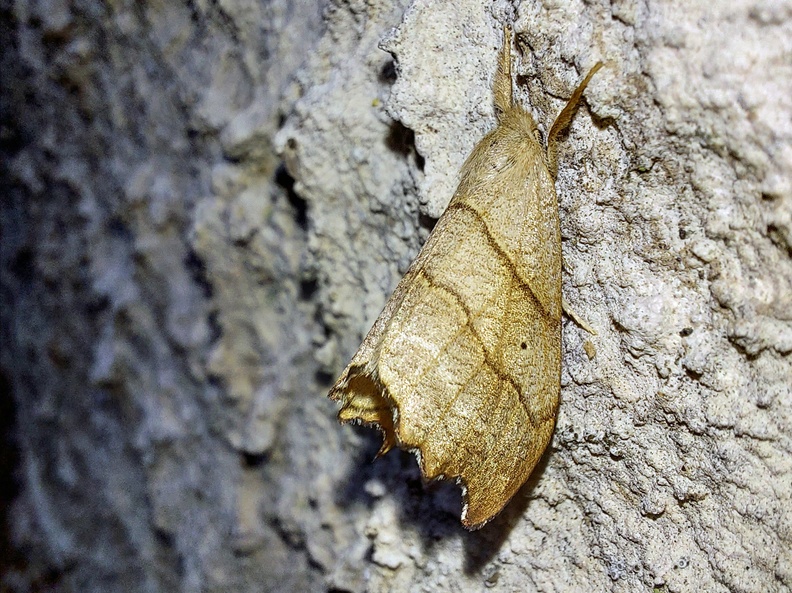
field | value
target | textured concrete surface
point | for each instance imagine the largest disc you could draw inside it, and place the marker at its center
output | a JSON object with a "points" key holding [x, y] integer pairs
{"points": [[205, 205]]}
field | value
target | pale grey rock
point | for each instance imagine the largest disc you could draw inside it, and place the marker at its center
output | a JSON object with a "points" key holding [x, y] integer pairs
{"points": [[206, 205]]}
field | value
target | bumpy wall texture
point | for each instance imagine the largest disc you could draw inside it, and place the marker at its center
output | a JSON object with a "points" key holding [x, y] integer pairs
{"points": [[205, 205]]}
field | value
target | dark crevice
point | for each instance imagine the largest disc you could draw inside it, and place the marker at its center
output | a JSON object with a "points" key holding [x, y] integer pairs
{"points": [[427, 221], [215, 330], [164, 538], [300, 205], [695, 376], [749, 355], [420, 162], [243, 242], [254, 460], [522, 80], [118, 228], [777, 237], [308, 288], [388, 73], [606, 121], [619, 327], [9, 461], [400, 139], [22, 266], [224, 22], [319, 320], [324, 378], [96, 304], [168, 551], [197, 268]]}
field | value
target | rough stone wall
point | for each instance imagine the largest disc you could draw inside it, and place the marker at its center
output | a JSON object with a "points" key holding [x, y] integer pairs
{"points": [[206, 204]]}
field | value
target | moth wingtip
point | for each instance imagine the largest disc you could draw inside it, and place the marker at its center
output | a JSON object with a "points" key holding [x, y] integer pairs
{"points": [[470, 523]]}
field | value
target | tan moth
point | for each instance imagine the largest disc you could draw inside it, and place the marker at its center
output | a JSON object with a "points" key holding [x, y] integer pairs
{"points": [[463, 365]]}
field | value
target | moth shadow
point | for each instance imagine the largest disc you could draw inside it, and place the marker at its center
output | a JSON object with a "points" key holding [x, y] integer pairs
{"points": [[432, 509], [366, 468], [483, 545]]}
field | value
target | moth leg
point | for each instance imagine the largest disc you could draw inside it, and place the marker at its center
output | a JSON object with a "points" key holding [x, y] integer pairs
{"points": [[502, 85], [564, 118], [576, 318]]}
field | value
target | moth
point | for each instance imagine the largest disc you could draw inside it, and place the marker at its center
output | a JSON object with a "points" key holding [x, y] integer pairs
{"points": [[463, 365]]}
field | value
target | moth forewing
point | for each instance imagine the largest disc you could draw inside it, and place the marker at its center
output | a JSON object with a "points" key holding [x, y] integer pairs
{"points": [[463, 365]]}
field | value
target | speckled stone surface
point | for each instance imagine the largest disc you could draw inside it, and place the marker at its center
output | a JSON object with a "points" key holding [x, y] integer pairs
{"points": [[205, 206]]}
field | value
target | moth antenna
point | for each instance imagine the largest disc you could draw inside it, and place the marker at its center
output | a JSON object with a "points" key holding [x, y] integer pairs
{"points": [[577, 318], [563, 120], [502, 85], [431, 387]]}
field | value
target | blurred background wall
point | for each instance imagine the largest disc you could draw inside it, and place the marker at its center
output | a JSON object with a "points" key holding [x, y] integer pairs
{"points": [[205, 205]]}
